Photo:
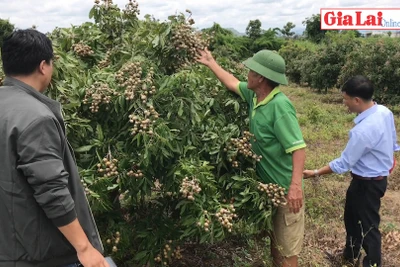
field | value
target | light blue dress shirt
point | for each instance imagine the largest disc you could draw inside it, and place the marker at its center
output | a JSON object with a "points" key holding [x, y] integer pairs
{"points": [[372, 142]]}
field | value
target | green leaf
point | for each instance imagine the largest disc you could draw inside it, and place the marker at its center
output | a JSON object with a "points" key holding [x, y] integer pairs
{"points": [[204, 238], [236, 107], [238, 178], [188, 232], [83, 149], [213, 152], [182, 202], [219, 234], [92, 12], [100, 134], [156, 41], [61, 89], [228, 102], [183, 209], [180, 110], [109, 188], [245, 199], [141, 255], [229, 185], [121, 102]]}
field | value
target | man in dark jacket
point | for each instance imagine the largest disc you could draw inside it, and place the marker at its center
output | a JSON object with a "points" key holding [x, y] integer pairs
{"points": [[45, 220]]}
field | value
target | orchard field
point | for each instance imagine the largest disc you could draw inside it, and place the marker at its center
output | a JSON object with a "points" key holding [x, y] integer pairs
{"points": [[163, 149]]}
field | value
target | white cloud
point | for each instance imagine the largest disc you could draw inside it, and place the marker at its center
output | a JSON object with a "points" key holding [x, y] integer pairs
{"points": [[47, 14]]}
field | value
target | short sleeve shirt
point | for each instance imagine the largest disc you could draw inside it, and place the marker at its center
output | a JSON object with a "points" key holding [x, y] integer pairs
{"points": [[277, 133]]}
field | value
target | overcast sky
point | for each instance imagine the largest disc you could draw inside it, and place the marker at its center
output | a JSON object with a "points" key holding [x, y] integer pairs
{"points": [[47, 14]]}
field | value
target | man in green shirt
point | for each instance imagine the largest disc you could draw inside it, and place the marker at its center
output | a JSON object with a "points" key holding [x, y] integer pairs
{"points": [[278, 139]]}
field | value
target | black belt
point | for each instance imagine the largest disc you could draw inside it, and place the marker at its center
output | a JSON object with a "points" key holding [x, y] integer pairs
{"points": [[378, 178]]}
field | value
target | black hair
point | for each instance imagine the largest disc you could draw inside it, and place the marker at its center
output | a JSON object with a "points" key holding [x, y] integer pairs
{"points": [[24, 50], [359, 86]]}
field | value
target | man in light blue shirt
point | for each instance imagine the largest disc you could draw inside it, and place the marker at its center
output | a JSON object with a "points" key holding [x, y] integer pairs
{"points": [[369, 157]]}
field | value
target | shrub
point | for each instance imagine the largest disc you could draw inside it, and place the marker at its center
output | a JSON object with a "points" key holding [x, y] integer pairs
{"points": [[329, 60], [297, 58], [380, 62]]}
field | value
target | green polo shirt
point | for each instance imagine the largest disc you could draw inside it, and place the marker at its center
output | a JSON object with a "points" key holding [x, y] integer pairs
{"points": [[276, 130]]}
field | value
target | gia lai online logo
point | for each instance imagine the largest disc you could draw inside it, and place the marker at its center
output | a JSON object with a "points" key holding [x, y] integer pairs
{"points": [[360, 18]]}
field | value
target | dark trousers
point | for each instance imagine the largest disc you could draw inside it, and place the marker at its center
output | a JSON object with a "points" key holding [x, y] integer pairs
{"points": [[361, 218]]}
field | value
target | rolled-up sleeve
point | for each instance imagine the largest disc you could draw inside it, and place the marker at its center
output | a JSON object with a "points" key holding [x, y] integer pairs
{"points": [[288, 132], [396, 147], [39, 150], [357, 146], [244, 92]]}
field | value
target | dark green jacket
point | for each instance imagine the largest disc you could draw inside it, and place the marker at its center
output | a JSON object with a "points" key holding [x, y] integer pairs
{"points": [[40, 187]]}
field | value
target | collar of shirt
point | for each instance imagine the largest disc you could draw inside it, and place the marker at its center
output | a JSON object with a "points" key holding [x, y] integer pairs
{"points": [[366, 113], [266, 100]]}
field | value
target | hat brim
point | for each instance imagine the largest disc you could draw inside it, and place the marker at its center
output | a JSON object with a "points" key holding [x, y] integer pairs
{"points": [[266, 72]]}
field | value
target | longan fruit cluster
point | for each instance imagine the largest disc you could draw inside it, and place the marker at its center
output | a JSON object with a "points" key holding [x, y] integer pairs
{"points": [[144, 123], [85, 186], [274, 192], [235, 163], [206, 225], [146, 92], [114, 240], [242, 146], [108, 168], [132, 8], [130, 77], [97, 94], [177, 253], [169, 254], [184, 39], [136, 172], [189, 188], [226, 216], [82, 49]]}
